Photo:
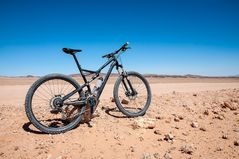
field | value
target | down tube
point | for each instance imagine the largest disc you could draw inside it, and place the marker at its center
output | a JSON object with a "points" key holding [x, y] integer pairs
{"points": [[105, 80]]}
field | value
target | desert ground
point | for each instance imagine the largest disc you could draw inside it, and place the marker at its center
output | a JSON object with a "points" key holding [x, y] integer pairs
{"points": [[187, 118]]}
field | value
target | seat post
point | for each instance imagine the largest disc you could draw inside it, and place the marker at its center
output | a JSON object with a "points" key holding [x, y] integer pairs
{"points": [[79, 67]]}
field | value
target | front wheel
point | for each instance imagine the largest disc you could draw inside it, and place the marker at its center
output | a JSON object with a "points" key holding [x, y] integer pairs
{"points": [[132, 94]]}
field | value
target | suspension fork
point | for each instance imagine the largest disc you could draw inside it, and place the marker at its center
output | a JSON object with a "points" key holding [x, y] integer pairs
{"points": [[125, 76]]}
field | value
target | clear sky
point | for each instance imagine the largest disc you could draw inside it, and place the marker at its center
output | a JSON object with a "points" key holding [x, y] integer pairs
{"points": [[166, 36]]}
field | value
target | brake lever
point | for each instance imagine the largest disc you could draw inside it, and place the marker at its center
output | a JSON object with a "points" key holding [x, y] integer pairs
{"points": [[126, 48]]}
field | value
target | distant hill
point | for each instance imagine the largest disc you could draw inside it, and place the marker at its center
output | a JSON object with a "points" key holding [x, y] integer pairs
{"points": [[27, 76], [146, 75]]}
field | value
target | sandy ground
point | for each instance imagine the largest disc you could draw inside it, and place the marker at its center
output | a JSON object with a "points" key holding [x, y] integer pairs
{"points": [[188, 118]]}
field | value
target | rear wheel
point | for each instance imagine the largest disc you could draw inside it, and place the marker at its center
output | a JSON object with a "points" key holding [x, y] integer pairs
{"points": [[44, 108], [132, 94]]}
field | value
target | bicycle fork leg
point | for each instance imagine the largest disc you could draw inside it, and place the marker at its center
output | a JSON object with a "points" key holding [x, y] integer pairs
{"points": [[130, 88], [124, 74], [125, 86]]}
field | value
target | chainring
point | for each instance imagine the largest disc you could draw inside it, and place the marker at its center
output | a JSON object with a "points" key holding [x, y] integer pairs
{"points": [[90, 107]]}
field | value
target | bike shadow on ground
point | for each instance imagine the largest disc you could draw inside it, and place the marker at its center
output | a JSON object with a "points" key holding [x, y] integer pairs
{"points": [[114, 112], [26, 127]]}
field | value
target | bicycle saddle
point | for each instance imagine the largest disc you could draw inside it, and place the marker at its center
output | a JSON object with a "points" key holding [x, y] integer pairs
{"points": [[71, 51]]}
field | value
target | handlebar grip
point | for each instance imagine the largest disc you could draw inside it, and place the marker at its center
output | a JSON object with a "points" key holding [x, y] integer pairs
{"points": [[124, 46]]}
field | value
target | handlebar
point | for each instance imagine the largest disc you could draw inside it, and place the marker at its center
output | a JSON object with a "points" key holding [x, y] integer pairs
{"points": [[123, 48]]}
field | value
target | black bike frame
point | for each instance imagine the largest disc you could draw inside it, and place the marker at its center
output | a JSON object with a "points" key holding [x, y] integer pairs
{"points": [[114, 63]]}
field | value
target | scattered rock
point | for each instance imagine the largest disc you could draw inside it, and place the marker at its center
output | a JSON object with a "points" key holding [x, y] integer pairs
{"points": [[206, 112], [112, 99], [220, 117], [124, 101], [167, 156], [156, 156], [202, 128], [159, 117], [185, 133], [147, 123], [180, 117], [168, 137], [188, 149], [118, 143], [194, 124], [160, 139], [236, 142], [229, 105], [147, 156], [105, 108], [215, 112], [151, 127], [219, 149], [225, 136], [176, 119], [16, 148], [132, 149], [168, 121], [195, 95], [157, 132], [141, 138], [116, 137], [185, 105], [14, 131]]}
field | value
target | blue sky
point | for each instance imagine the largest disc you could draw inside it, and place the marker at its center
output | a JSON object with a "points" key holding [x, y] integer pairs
{"points": [[166, 36]]}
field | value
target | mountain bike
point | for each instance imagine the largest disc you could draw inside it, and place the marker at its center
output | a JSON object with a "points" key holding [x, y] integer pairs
{"points": [[56, 103]]}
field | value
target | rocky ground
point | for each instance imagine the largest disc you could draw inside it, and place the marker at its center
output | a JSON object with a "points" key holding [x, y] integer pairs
{"points": [[177, 125]]}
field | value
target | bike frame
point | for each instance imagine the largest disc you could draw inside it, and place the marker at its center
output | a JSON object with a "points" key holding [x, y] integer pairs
{"points": [[114, 63]]}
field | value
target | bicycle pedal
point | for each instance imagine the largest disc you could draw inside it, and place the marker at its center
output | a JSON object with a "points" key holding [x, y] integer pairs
{"points": [[54, 111], [124, 101]]}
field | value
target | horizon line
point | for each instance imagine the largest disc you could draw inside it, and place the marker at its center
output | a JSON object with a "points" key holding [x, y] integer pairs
{"points": [[145, 74]]}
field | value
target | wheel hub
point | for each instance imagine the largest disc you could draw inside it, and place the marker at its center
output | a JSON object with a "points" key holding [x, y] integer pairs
{"points": [[131, 95], [56, 102]]}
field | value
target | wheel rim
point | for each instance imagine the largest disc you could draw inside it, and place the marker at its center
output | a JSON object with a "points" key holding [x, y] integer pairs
{"points": [[133, 102], [45, 99]]}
